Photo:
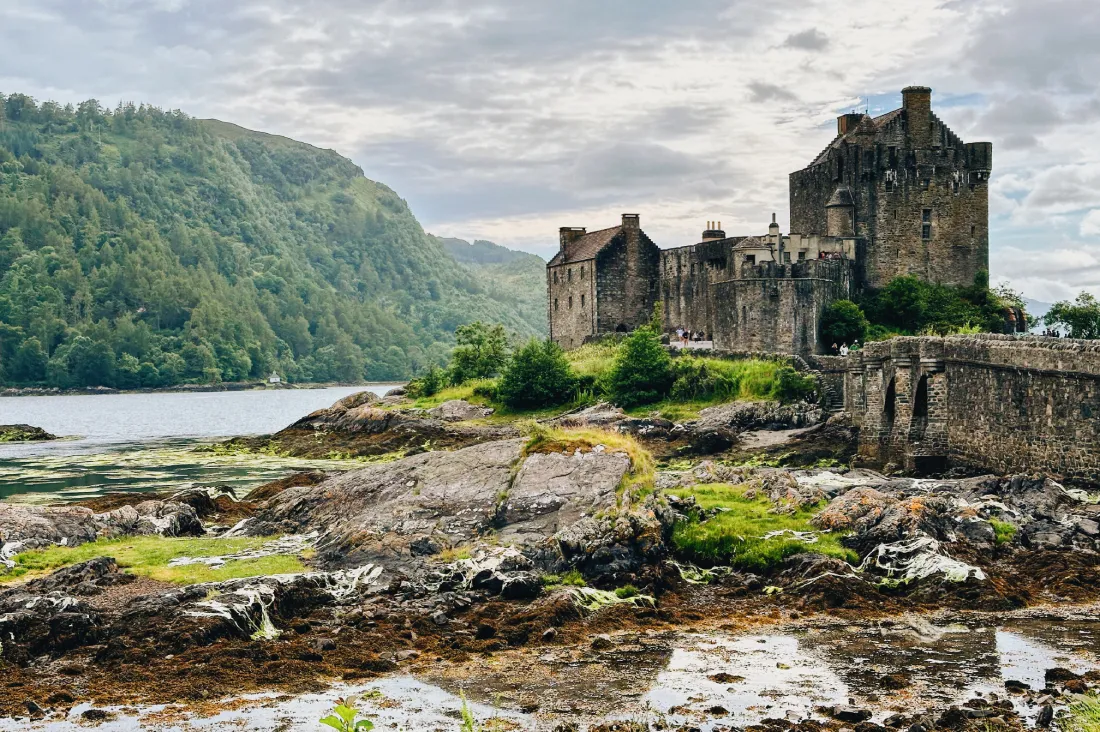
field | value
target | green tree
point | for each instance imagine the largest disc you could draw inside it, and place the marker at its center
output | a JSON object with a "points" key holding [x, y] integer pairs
{"points": [[481, 352], [844, 322], [91, 363], [1081, 318], [538, 375], [903, 303], [29, 362], [642, 371], [127, 372]]}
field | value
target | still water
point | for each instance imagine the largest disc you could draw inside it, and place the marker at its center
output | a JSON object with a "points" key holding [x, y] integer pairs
{"points": [[145, 442]]}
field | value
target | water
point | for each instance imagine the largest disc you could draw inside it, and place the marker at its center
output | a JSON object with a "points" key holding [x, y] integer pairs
{"points": [[707, 681], [145, 442]]}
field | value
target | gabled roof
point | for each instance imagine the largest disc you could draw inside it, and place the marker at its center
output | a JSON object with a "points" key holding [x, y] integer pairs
{"points": [[585, 247], [867, 124]]}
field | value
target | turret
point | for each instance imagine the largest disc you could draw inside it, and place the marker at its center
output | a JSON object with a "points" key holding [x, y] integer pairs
{"points": [[917, 103], [840, 213]]}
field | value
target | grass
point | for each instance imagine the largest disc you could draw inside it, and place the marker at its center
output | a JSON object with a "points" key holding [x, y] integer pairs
{"points": [[593, 359], [148, 556], [1084, 714], [1003, 531], [735, 536], [626, 592], [572, 578], [639, 480]]}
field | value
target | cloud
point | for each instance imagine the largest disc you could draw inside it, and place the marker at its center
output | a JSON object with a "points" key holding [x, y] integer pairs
{"points": [[762, 91], [507, 118], [808, 40]]}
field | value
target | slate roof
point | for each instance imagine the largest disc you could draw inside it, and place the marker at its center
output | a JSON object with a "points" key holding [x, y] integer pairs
{"points": [[586, 247]]}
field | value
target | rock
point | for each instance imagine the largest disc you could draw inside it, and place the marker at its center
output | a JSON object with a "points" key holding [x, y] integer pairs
{"points": [[602, 642], [549, 635], [1016, 687], [407, 655], [1059, 674], [1088, 527], [95, 715], [459, 410], [202, 498], [321, 645], [850, 714], [718, 427], [724, 678], [60, 697], [485, 631], [1045, 716], [166, 518], [24, 433], [397, 391], [440, 618], [598, 415], [357, 400], [33, 709]]}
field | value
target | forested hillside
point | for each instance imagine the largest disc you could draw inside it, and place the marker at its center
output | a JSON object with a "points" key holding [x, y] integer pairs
{"points": [[143, 248], [517, 277]]}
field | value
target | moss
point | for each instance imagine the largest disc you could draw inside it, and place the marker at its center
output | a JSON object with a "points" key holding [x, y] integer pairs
{"points": [[453, 554], [626, 592], [736, 535], [1004, 532], [148, 556]]}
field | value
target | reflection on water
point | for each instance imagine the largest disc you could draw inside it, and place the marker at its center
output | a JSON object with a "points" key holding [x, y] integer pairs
{"points": [[143, 442], [709, 681]]}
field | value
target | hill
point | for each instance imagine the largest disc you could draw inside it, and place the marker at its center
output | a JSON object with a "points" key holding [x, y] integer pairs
{"points": [[140, 247], [515, 277]]}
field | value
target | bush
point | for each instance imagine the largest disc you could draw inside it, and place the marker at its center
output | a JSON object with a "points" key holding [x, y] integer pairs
{"points": [[427, 385], [844, 322], [642, 371], [537, 376], [481, 352], [697, 379], [791, 386]]}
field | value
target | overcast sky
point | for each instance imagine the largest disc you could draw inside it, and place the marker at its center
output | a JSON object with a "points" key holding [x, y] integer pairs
{"points": [[505, 119]]}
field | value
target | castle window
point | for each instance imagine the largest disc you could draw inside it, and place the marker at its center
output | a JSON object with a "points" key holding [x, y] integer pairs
{"points": [[582, 271], [750, 259], [693, 267], [786, 257], [569, 274], [926, 224], [973, 230], [802, 256], [555, 303], [582, 301], [555, 277], [570, 302], [893, 157], [889, 185], [926, 183]]}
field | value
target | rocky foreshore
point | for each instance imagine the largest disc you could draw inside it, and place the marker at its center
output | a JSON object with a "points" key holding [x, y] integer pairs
{"points": [[24, 433], [531, 550]]}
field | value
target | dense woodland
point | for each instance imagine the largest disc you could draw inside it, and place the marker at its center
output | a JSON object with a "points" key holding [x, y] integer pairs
{"points": [[143, 248]]}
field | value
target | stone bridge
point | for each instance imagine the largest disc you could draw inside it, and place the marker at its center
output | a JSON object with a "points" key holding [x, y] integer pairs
{"points": [[1001, 403]]}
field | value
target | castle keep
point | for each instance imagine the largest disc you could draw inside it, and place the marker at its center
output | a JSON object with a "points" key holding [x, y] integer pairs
{"points": [[898, 194]]}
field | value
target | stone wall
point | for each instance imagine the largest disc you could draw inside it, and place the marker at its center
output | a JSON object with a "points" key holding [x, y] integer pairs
{"points": [[1003, 403], [572, 304], [777, 308]]}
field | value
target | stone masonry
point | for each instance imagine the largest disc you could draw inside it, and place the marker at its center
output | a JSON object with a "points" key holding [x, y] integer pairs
{"points": [[1002, 403]]}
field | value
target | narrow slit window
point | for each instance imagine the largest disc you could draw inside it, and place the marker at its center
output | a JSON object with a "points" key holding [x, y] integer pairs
{"points": [[926, 224], [582, 301], [570, 301]]}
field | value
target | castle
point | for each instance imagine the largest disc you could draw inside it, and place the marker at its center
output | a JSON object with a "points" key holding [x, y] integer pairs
{"points": [[898, 194]]}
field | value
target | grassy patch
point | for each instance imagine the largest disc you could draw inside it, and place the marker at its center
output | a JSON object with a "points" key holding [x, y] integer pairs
{"points": [[572, 578], [148, 556], [454, 554], [1004, 531], [593, 359], [639, 480], [463, 391], [1084, 714], [736, 535], [626, 592]]}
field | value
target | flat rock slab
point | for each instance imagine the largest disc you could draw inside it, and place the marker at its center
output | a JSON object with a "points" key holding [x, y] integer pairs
{"points": [[426, 503]]}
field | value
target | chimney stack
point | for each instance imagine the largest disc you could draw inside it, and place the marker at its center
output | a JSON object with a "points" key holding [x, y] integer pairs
{"points": [[631, 221], [917, 103], [569, 234], [848, 121]]}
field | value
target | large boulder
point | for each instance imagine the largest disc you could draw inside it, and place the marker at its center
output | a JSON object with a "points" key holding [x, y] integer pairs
{"points": [[458, 410], [718, 427], [24, 433]]}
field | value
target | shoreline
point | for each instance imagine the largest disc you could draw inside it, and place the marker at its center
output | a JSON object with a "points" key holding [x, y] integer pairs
{"points": [[30, 391]]}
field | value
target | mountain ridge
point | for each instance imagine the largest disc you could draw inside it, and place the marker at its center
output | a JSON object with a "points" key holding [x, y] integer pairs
{"points": [[140, 247]]}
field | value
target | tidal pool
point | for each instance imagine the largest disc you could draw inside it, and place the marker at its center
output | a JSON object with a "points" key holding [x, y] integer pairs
{"points": [[708, 680]]}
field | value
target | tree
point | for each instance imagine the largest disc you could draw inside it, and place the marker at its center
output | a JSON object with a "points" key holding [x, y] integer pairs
{"points": [[844, 322], [29, 363], [91, 363], [904, 303], [1081, 317], [481, 352], [642, 371], [538, 375]]}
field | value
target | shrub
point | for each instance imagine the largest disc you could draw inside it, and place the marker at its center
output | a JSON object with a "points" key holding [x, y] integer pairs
{"points": [[345, 718], [481, 352], [791, 386], [626, 592], [642, 371], [427, 385], [844, 322], [537, 376]]}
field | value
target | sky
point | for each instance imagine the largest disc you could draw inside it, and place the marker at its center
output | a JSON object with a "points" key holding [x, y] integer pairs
{"points": [[506, 119]]}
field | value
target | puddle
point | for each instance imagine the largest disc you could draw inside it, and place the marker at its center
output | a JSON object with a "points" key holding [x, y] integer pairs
{"points": [[710, 681], [402, 703]]}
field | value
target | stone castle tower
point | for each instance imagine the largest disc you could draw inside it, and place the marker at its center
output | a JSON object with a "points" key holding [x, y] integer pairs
{"points": [[915, 193]]}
